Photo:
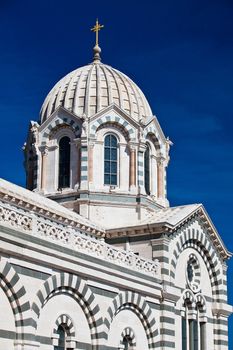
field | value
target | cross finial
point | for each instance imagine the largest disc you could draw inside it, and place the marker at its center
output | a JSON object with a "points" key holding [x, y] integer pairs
{"points": [[96, 29]]}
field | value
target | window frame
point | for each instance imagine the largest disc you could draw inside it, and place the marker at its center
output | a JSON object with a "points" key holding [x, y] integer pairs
{"points": [[147, 171], [60, 187], [110, 147]]}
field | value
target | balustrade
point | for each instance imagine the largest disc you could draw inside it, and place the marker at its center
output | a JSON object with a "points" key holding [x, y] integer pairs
{"points": [[47, 228]]}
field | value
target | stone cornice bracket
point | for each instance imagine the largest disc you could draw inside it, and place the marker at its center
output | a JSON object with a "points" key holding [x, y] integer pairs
{"points": [[220, 309], [170, 293]]}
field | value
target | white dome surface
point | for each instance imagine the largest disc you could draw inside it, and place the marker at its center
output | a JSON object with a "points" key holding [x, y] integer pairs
{"points": [[91, 88]]}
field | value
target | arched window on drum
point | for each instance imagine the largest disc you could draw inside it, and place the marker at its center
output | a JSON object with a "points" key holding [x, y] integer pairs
{"points": [[110, 160], [64, 163], [147, 170]]}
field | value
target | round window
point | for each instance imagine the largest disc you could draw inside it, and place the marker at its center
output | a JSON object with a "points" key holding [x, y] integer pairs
{"points": [[193, 273]]}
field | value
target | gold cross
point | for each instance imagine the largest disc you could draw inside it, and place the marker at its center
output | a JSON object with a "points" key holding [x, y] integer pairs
{"points": [[96, 29]]}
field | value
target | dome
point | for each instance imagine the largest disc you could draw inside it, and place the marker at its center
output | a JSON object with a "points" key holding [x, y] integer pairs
{"points": [[94, 87]]}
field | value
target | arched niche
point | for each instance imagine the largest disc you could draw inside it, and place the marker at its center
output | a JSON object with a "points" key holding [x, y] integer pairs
{"points": [[7, 322], [62, 304], [123, 319]]}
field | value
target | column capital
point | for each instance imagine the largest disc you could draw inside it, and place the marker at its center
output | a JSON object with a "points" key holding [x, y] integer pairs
{"points": [[84, 141], [142, 146], [133, 145], [44, 150], [160, 160], [52, 148], [77, 141]]}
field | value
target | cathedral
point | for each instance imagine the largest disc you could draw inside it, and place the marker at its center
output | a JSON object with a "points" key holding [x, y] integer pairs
{"points": [[92, 256]]}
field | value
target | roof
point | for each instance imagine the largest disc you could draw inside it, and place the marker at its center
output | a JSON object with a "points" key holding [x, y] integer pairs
{"points": [[171, 216], [34, 201], [169, 220], [91, 88]]}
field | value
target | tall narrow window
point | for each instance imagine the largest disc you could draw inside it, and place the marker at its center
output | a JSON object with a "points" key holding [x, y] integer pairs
{"points": [[64, 163], [62, 339], [184, 334], [147, 170], [110, 160], [203, 335], [193, 335]]}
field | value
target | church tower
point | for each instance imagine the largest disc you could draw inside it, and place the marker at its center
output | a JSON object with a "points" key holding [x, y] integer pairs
{"points": [[97, 148], [106, 264]]}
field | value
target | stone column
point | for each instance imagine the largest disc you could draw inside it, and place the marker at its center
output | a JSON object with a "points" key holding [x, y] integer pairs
{"points": [[132, 167], [90, 162], [77, 142], [44, 155], [84, 164], [154, 176], [160, 175], [141, 182]]}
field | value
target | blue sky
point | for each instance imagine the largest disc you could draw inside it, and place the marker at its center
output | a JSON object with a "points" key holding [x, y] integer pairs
{"points": [[179, 52]]}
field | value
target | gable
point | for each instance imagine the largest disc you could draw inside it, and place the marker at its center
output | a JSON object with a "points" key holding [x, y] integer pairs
{"points": [[60, 117]]}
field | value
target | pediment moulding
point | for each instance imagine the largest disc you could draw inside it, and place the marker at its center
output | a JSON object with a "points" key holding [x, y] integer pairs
{"points": [[33, 202], [112, 114], [50, 225], [164, 222]]}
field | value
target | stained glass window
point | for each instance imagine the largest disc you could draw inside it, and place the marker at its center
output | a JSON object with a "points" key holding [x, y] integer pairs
{"points": [[110, 160], [64, 162]]}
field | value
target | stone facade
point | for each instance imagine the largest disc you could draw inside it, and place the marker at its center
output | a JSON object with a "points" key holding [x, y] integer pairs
{"points": [[93, 257]]}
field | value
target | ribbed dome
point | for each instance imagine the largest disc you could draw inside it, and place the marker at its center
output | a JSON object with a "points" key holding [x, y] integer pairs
{"points": [[91, 88]]}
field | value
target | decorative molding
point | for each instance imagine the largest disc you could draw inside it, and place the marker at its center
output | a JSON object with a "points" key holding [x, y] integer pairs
{"points": [[60, 233], [68, 284]]}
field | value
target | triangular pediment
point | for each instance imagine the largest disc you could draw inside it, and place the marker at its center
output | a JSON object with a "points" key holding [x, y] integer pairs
{"points": [[116, 109], [170, 220], [175, 218], [60, 113], [153, 121]]}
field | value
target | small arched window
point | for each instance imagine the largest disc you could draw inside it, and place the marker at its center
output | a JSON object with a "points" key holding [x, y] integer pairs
{"points": [[64, 163], [110, 160], [127, 343], [147, 169], [61, 338]]}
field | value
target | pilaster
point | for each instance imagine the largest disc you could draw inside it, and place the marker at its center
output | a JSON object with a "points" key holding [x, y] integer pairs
{"points": [[84, 164], [141, 151], [43, 172], [167, 319], [133, 167], [160, 251]]}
